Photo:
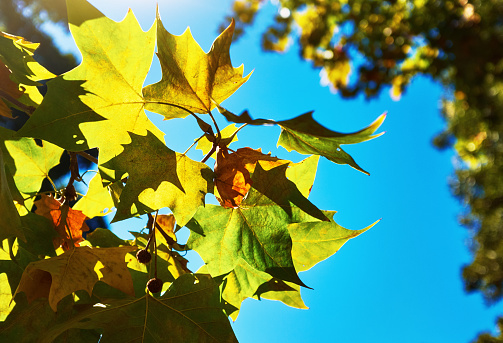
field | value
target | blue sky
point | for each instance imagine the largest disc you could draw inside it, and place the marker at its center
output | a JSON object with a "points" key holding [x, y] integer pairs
{"points": [[401, 280]]}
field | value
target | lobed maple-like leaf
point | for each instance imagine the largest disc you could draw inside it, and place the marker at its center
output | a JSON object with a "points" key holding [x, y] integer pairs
{"points": [[306, 136], [158, 178], [97, 103], [257, 230], [190, 311], [77, 269], [315, 242], [30, 163], [191, 78], [64, 219]]}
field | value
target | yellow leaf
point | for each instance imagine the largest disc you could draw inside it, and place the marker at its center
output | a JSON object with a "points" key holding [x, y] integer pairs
{"points": [[192, 78]]}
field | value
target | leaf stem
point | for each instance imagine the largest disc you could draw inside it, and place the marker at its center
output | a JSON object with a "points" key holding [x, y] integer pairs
{"points": [[25, 108], [208, 155], [199, 120], [52, 183], [88, 156], [219, 134], [197, 140]]}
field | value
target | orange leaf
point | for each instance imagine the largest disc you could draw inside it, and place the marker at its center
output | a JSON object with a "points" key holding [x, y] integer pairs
{"points": [[232, 173], [64, 219]]}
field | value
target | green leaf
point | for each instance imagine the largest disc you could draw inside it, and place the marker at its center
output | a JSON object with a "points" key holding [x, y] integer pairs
{"points": [[191, 78], [28, 322], [17, 54], [160, 177], [279, 290], [303, 174], [257, 230], [190, 311], [315, 242], [241, 283], [100, 101], [306, 136], [10, 222], [97, 201], [105, 238]]}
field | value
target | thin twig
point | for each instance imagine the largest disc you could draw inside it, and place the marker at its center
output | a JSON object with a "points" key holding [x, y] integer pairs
{"points": [[208, 155], [219, 134], [88, 157], [195, 142]]}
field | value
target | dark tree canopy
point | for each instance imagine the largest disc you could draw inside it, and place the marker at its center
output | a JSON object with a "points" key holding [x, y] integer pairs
{"points": [[364, 47]]}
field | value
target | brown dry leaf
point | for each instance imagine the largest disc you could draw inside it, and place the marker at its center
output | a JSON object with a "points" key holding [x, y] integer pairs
{"points": [[232, 173], [63, 218], [8, 88], [78, 269]]}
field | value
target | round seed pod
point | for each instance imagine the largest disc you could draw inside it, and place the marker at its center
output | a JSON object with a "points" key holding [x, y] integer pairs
{"points": [[143, 256], [154, 285]]}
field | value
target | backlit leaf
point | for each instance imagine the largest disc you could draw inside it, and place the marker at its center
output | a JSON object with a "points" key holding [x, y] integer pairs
{"points": [[97, 201], [315, 242], [100, 101], [191, 78], [160, 177], [30, 163], [257, 230]]}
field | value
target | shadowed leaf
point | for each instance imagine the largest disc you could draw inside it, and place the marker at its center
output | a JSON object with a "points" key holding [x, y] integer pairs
{"points": [[100, 101], [190, 311], [64, 219], [79, 268], [306, 136], [160, 177]]}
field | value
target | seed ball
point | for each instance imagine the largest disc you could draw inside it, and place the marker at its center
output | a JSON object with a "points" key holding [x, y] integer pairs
{"points": [[143, 256], [154, 285]]}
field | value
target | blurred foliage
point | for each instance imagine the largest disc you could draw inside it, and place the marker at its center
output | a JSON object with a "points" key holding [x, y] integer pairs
{"points": [[487, 338], [25, 18], [363, 47]]}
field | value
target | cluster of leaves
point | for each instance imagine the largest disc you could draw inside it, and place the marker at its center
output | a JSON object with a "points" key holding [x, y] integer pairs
{"points": [[61, 282], [386, 43]]}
